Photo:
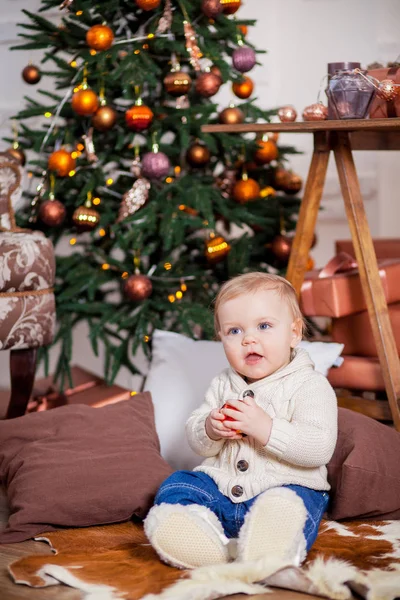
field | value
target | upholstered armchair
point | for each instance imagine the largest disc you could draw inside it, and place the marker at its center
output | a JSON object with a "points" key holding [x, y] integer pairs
{"points": [[27, 306]]}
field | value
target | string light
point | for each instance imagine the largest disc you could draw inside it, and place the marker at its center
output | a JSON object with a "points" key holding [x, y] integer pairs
{"points": [[167, 266], [109, 181], [150, 36], [171, 298], [179, 295], [169, 180], [79, 13], [73, 63], [105, 266], [71, 173], [93, 52], [74, 154], [125, 275], [48, 115], [96, 201], [102, 232], [146, 338], [183, 287], [136, 52], [133, 393], [80, 147], [72, 241]]}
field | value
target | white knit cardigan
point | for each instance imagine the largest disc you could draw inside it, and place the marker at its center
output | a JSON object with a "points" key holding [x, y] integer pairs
{"points": [[303, 408]]}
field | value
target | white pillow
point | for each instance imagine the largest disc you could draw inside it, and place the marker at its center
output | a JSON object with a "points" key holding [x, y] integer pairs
{"points": [[181, 371]]}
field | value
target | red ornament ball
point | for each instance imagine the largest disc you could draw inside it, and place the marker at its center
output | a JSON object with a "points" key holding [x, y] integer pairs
{"points": [[229, 7], [138, 287], [147, 4], [139, 117], [52, 213]]}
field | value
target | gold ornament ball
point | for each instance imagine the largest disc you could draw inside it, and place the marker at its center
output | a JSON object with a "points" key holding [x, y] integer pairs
{"points": [[61, 162], [105, 118], [315, 112], [207, 84], [100, 37], [246, 190], [231, 116], [229, 7], [138, 287], [287, 114], [281, 247], [217, 248], [18, 154], [147, 4], [85, 218], [266, 152], [52, 212], [211, 8], [387, 89], [244, 88], [293, 184], [177, 83], [198, 155], [85, 103], [31, 74], [139, 117]]}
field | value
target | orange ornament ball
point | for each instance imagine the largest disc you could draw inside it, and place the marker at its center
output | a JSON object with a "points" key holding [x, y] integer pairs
{"points": [[244, 88], [139, 117], [147, 4], [61, 162], [246, 190], [85, 103], [243, 29], [266, 152], [100, 37], [231, 116], [229, 7]]}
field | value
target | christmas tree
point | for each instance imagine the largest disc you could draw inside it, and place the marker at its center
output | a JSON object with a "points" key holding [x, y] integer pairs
{"points": [[157, 213]]}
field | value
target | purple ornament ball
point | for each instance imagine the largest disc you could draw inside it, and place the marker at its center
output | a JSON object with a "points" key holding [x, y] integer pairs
{"points": [[155, 165], [244, 59]]}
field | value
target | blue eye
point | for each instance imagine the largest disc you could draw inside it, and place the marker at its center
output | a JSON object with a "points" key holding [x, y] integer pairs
{"points": [[234, 330], [264, 326]]}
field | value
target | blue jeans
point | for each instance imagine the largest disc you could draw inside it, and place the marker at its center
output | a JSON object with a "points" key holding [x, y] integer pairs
{"points": [[195, 487]]}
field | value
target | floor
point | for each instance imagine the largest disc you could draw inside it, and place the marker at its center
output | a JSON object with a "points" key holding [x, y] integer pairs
{"points": [[11, 552]]}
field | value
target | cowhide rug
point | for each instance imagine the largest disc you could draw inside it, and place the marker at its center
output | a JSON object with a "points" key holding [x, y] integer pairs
{"points": [[353, 559]]}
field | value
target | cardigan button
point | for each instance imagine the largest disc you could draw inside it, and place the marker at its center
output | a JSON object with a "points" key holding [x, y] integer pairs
{"points": [[237, 491], [249, 393], [242, 465]]}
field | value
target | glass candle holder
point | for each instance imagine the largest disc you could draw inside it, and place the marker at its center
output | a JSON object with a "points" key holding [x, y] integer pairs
{"points": [[350, 94]]}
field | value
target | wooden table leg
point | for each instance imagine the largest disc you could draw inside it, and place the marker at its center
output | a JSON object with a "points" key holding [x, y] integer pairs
{"points": [[369, 274], [308, 211], [22, 370]]}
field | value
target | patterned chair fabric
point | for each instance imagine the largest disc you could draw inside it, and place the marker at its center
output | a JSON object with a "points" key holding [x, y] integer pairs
{"points": [[27, 272]]}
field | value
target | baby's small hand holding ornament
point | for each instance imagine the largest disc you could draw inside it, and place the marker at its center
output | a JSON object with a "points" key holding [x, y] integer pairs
{"points": [[245, 415], [216, 429]]}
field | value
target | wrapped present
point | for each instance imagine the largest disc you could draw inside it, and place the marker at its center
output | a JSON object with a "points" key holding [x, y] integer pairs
{"points": [[87, 388], [354, 331], [381, 108], [335, 290], [384, 247], [357, 373]]}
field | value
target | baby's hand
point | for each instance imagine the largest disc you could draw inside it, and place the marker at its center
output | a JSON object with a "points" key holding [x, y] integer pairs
{"points": [[249, 418], [216, 429]]}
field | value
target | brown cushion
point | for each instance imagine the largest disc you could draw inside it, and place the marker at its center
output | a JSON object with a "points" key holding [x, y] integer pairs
{"points": [[364, 471], [76, 466]]}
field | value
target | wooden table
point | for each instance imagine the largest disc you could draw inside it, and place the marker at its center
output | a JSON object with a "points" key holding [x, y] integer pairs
{"points": [[342, 137]]}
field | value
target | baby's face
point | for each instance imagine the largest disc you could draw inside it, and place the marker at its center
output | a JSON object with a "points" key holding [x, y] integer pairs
{"points": [[258, 333]]}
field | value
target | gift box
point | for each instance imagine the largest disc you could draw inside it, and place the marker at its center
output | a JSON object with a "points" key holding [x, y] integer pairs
{"points": [[87, 388], [381, 108], [357, 373], [354, 331], [384, 247], [335, 290]]}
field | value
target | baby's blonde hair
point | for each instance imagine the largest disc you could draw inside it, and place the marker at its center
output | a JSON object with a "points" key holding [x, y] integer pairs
{"points": [[252, 282]]}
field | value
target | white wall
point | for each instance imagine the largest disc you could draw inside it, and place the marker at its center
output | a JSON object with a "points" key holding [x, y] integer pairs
{"points": [[301, 37]]}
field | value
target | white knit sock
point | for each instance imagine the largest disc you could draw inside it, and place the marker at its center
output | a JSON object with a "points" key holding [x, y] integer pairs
{"points": [[186, 536], [274, 527]]}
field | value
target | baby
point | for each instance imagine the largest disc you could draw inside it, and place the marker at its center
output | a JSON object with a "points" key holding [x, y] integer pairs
{"points": [[267, 428]]}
